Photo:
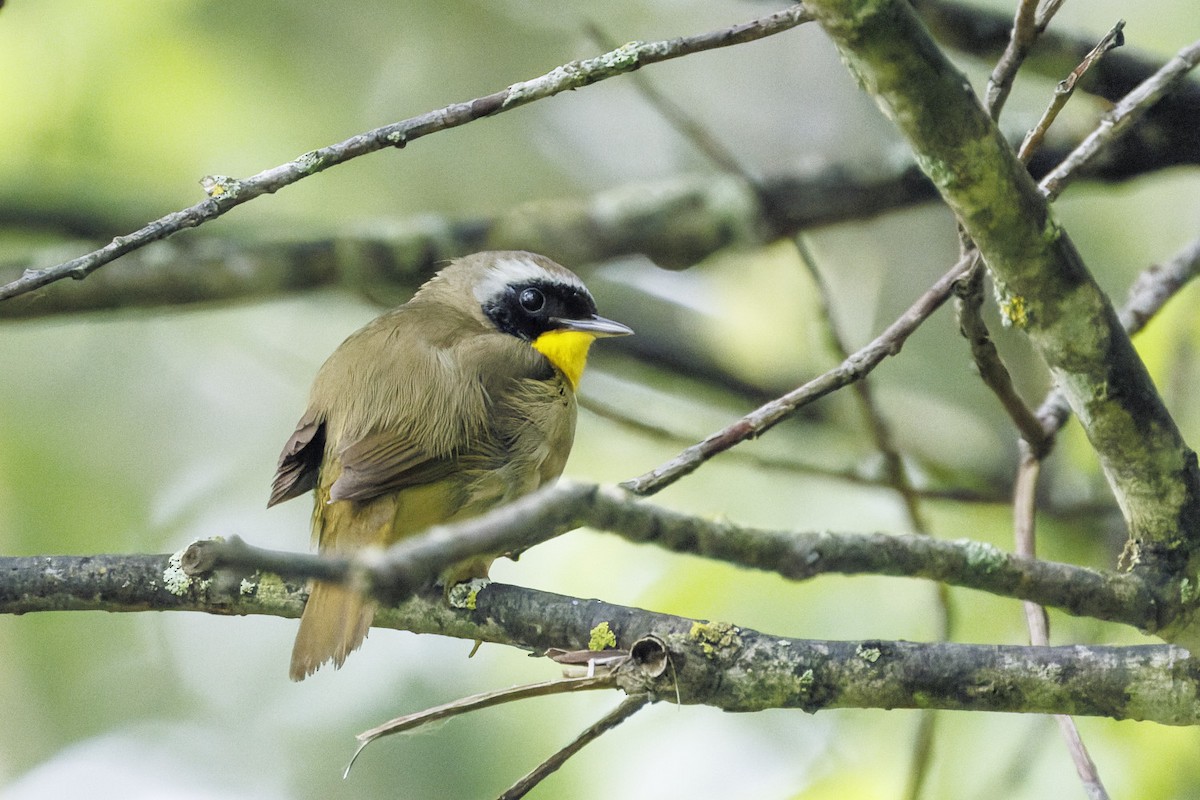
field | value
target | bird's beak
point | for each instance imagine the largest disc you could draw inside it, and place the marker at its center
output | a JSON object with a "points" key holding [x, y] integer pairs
{"points": [[595, 325]]}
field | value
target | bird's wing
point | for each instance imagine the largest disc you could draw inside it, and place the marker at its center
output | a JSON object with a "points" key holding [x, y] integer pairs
{"points": [[442, 420], [442, 424], [300, 460], [385, 462]]}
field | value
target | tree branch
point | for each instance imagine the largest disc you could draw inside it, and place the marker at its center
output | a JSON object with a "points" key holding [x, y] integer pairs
{"points": [[414, 563], [1047, 290], [676, 223], [1123, 117], [717, 664], [226, 193], [767, 416]]}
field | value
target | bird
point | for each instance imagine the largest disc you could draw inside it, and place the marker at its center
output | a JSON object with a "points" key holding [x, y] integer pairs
{"points": [[455, 402]]}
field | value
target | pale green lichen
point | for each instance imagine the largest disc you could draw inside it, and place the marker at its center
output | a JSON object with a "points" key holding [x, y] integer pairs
{"points": [[715, 635], [465, 594], [1187, 591], [623, 58], [310, 161], [805, 682], [870, 654], [1050, 673], [175, 580], [246, 587], [982, 556], [178, 582], [1131, 555], [601, 637], [220, 185], [269, 588]]}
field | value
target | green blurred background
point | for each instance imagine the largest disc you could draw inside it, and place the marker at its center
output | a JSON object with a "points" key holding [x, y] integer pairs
{"points": [[140, 431]]}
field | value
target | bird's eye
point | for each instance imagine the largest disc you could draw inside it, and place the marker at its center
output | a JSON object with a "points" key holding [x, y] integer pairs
{"points": [[532, 300]]}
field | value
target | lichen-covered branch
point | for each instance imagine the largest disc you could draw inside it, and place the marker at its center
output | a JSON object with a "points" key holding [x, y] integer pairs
{"points": [[711, 663], [676, 222], [226, 193], [1046, 289]]}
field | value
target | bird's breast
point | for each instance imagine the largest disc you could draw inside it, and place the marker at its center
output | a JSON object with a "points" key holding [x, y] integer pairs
{"points": [[536, 422]]}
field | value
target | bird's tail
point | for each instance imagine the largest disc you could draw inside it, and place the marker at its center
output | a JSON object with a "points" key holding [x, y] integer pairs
{"points": [[334, 624]]}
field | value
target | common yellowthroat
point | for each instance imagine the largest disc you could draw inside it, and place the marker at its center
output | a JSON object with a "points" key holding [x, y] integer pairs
{"points": [[459, 400]]}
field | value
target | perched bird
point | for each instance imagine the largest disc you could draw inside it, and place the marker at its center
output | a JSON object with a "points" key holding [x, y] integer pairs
{"points": [[459, 400]]}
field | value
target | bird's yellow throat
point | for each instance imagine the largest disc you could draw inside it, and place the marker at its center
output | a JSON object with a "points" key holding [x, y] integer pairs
{"points": [[566, 350]]}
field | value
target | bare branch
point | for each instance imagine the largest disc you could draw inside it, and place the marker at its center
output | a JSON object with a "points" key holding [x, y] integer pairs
{"points": [[1024, 33], [991, 368], [454, 708], [628, 707], [79, 582], [1127, 112], [226, 193], [414, 563], [676, 223], [859, 476], [1025, 536], [1149, 293], [1158, 284], [1065, 88], [767, 416]]}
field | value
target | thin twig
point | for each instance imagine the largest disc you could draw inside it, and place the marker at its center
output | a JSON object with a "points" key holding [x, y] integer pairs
{"points": [[476, 702], [1025, 536], [1024, 33], [1024, 520], [628, 707], [226, 193], [767, 416], [993, 493], [677, 116], [1065, 88], [1046, 13], [1030, 23], [1128, 111], [992, 370], [1156, 285]]}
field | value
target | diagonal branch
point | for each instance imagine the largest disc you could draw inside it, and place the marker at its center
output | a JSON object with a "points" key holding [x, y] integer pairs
{"points": [[1124, 116], [628, 707], [415, 563], [771, 414], [226, 193]]}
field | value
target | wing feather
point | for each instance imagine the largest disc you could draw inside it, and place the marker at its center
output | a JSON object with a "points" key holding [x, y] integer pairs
{"points": [[300, 461]]}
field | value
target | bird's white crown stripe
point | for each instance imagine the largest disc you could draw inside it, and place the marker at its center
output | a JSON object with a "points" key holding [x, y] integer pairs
{"points": [[507, 271]]}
